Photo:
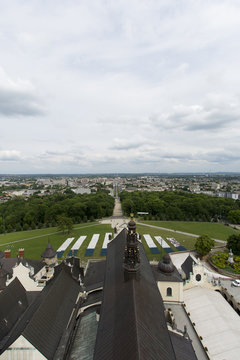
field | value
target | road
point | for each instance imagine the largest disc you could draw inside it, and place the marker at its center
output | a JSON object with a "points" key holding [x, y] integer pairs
{"points": [[117, 211], [117, 220]]}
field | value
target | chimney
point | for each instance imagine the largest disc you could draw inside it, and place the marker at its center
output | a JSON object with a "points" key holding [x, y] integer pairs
{"points": [[21, 253], [7, 254]]}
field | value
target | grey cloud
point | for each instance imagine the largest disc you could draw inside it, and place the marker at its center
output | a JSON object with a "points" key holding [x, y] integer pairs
{"points": [[133, 142], [212, 120], [120, 120], [197, 118], [18, 97], [64, 156], [14, 103], [125, 146], [9, 155], [222, 157]]}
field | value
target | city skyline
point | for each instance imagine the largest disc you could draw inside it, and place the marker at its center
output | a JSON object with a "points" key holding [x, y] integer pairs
{"points": [[106, 87]]}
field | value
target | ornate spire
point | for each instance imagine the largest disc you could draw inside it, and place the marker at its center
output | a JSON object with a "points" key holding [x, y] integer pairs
{"points": [[131, 263]]}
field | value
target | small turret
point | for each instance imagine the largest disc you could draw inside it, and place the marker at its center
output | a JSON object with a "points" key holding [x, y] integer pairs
{"points": [[50, 255]]}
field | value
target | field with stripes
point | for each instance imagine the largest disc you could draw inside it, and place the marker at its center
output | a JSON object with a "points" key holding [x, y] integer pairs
{"points": [[156, 245], [90, 240]]}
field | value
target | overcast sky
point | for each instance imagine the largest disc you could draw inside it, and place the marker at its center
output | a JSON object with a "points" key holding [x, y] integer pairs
{"points": [[119, 86]]}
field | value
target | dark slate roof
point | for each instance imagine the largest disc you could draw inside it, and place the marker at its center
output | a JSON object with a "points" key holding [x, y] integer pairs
{"points": [[132, 321], [49, 252], [187, 266], [50, 320], [95, 274], [35, 300], [161, 276], [13, 303], [58, 269], [183, 347], [9, 263], [3, 278], [31, 296], [76, 267], [24, 320]]}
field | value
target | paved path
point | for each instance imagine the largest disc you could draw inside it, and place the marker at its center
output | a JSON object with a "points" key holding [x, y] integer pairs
{"points": [[177, 231], [117, 211], [117, 220]]}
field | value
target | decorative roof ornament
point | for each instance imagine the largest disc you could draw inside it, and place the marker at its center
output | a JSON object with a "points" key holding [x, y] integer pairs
{"points": [[131, 263], [165, 265]]}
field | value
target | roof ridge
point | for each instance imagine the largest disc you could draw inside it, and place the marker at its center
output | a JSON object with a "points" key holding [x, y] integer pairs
{"points": [[136, 317]]}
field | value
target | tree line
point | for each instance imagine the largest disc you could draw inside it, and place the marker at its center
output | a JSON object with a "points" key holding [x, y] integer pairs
{"points": [[169, 205], [44, 211]]}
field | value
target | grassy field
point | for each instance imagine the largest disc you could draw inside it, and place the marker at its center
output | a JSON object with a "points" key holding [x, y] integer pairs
{"points": [[34, 242], [187, 241], [213, 230]]}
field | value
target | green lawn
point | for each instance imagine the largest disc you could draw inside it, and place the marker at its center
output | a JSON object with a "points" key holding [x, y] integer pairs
{"points": [[216, 231], [187, 241], [34, 242]]}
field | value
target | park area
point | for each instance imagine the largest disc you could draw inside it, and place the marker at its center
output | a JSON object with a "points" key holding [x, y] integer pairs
{"points": [[94, 236], [213, 230], [220, 260]]}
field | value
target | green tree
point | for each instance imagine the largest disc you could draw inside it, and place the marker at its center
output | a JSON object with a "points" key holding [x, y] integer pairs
{"points": [[233, 242], [204, 244], [69, 225], [65, 224], [234, 216]]}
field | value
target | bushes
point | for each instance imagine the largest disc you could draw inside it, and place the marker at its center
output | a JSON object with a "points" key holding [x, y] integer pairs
{"points": [[233, 242], [236, 267], [220, 259], [220, 264]]}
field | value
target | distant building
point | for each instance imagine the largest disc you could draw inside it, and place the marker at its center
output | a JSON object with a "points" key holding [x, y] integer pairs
{"points": [[215, 186], [228, 195], [82, 190]]}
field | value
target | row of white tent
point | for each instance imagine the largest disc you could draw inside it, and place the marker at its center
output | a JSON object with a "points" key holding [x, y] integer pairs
{"points": [[152, 246], [166, 247], [108, 236], [91, 246]]}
